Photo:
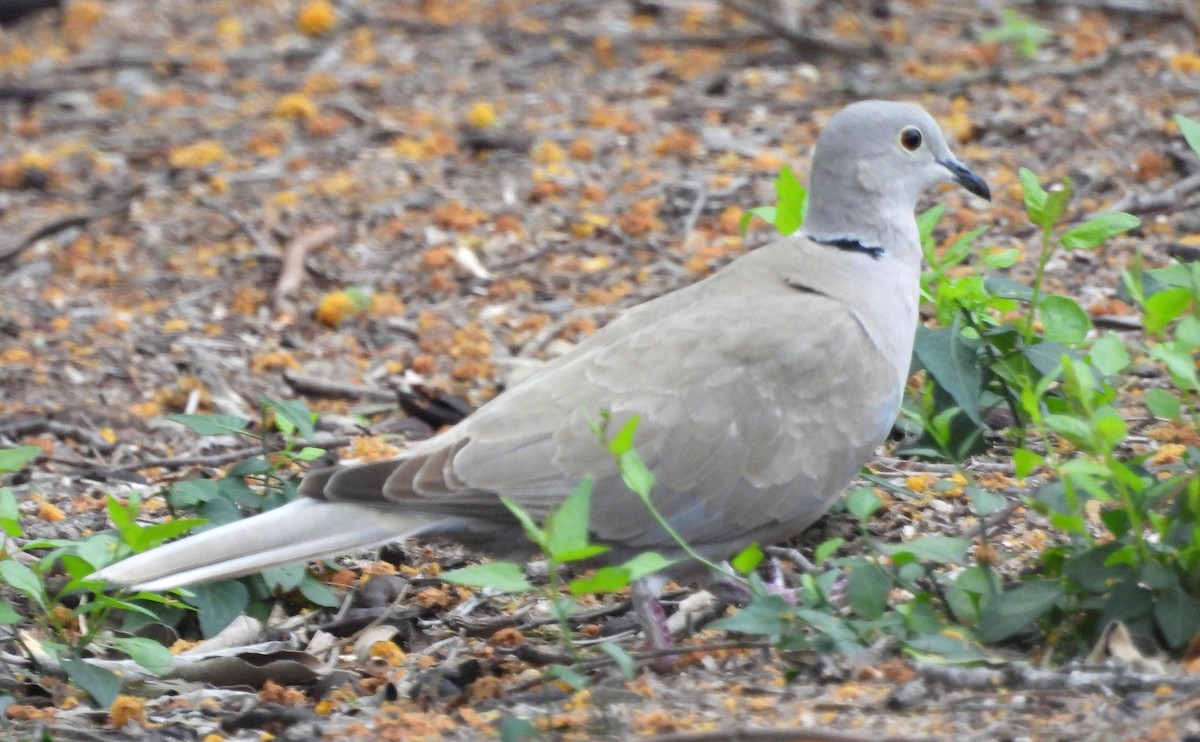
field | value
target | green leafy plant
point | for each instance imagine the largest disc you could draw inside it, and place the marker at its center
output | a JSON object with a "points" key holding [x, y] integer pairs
{"points": [[74, 613], [848, 602], [255, 484], [71, 614], [1000, 340], [563, 538], [1129, 518], [1025, 36]]}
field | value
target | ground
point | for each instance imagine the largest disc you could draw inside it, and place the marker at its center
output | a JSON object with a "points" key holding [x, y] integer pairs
{"points": [[206, 203]]}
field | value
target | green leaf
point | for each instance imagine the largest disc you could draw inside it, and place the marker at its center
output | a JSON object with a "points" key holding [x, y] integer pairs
{"points": [[576, 680], [603, 580], [188, 493], [827, 549], [76, 568], [1035, 195], [766, 615], [793, 199], [1108, 354], [1063, 321], [25, 581], [10, 514], [532, 531], [1109, 426], [1004, 288], [927, 221], [1165, 307], [212, 424], [862, 503], [567, 528], [1077, 431], [294, 412], [9, 615], [155, 534], [318, 593], [286, 578], [766, 213], [940, 549], [1096, 230], [1178, 615], [621, 658], [646, 563], [578, 555], [248, 467], [1010, 613], [1000, 258], [218, 603], [1180, 366], [146, 652], [97, 550], [100, 684], [128, 605], [984, 503], [1025, 36], [1090, 570], [953, 363], [1161, 403], [1190, 128], [308, 453], [965, 245], [13, 459], [1056, 202], [503, 576], [517, 729], [1025, 461], [1187, 334], [945, 649], [622, 442], [636, 475], [748, 559], [867, 592]]}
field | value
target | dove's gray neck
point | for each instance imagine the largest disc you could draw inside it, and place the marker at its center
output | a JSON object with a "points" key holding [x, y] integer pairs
{"points": [[843, 212]]}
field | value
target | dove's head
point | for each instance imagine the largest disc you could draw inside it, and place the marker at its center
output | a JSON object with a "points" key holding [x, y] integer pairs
{"points": [[872, 162]]}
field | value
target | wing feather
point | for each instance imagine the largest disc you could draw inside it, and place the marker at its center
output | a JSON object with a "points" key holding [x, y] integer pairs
{"points": [[758, 403]]}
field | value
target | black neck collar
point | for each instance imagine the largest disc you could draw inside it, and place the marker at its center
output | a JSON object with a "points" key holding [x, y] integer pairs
{"points": [[851, 245]]}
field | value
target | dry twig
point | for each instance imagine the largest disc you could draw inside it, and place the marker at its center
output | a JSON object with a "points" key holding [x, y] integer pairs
{"points": [[118, 205], [322, 387], [292, 272], [1171, 199]]}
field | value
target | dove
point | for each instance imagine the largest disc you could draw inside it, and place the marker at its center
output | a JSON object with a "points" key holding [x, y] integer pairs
{"points": [[761, 391]]}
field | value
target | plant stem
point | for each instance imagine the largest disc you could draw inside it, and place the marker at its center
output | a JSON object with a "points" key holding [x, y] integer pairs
{"points": [[994, 360], [1034, 300]]}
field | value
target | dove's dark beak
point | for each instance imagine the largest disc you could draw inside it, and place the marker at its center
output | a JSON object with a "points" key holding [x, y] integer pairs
{"points": [[966, 178]]}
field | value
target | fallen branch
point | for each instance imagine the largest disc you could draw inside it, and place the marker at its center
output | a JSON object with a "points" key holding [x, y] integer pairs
{"points": [[118, 205], [292, 272], [1166, 200], [37, 425], [322, 387]]}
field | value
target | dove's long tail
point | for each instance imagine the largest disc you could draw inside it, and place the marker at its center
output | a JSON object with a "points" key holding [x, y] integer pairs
{"points": [[306, 528]]}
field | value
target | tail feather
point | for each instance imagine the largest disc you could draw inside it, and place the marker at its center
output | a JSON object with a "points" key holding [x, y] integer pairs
{"points": [[303, 529]]}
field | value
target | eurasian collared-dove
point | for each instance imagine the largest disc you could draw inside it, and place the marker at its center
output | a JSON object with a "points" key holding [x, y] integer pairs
{"points": [[761, 389]]}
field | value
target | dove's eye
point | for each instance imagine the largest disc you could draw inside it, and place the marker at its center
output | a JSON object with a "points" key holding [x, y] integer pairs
{"points": [[911, 138]]}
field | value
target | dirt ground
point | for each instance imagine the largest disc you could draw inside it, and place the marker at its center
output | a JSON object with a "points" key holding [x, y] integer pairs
{"points": [[206, 203]]}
